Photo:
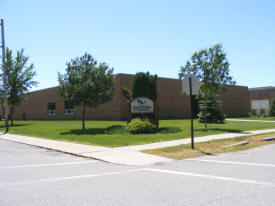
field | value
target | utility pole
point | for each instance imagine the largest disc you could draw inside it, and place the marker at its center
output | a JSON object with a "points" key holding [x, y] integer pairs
{"points": [[4, 76]]}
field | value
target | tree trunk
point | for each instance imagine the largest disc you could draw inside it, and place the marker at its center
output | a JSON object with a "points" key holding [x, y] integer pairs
{"points": [[83, 116], [11, 115]]}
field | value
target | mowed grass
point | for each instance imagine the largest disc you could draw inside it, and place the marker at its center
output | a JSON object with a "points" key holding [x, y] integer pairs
{"points": [[211, 147], [256, 118], [114, 134]]}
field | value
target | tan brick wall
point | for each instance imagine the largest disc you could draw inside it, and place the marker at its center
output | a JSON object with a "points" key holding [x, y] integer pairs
{"points": [[36, 107], [235, 101], [171, 103], [262, 93]]}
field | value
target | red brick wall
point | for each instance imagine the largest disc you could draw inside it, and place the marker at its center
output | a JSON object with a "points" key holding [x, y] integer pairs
{"points": [[171, 103]]}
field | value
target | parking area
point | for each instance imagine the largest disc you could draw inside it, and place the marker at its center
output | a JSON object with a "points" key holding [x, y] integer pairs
{"points": [[35, 176]]}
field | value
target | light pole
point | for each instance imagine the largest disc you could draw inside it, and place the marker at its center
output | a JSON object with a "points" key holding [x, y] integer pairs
{"points": [[4, 76]]}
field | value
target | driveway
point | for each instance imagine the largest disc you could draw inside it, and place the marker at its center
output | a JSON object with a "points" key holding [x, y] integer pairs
{"points": [[34, 176]]}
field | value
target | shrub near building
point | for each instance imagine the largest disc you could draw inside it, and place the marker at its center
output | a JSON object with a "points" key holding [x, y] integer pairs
{"points": [[272, 107], [138, 125], [143, 85]]}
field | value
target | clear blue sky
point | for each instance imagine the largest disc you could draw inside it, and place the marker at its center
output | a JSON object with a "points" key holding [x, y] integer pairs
{"points": [[143, 35]]}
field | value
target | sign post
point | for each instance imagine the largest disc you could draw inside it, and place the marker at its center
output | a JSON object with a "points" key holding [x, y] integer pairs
{"points": [[191, 86], [191, 103], [4, 77]]}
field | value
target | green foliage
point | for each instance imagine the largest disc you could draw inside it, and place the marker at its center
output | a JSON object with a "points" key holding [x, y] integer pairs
{"points": [[126, 93], [210, 110], [86, 83], [272, 107], [250, 115], [264, 115], [138, 126], [145, 84], [24, 116], [211, 67], [19, 79]]}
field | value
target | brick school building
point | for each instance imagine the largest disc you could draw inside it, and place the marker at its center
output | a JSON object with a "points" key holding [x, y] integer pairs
{"points": [[46, 104]]}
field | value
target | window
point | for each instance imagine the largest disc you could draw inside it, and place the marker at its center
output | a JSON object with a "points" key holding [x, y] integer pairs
{"points": [[51, 108], [68, 108]]}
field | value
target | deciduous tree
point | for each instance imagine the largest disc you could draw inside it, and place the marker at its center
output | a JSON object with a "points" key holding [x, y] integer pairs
{"points": [[86, 83], [212, 68], [19, 79]]}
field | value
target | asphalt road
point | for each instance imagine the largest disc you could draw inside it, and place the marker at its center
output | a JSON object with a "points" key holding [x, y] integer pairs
{"points": [[36, 176]]}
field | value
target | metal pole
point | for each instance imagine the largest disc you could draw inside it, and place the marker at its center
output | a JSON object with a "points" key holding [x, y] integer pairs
{"points": [[4, 77], [192, 129]]}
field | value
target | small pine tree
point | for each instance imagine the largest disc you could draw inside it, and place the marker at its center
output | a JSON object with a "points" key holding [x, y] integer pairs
{"points": [[272, 107], [210, 111]]}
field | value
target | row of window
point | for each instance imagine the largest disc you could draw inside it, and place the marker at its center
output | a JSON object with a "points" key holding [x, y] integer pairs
{"points": [[68, 108]]}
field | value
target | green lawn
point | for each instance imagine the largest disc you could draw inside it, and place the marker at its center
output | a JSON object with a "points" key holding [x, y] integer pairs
{"points": [[256, 118], [113, 134]]}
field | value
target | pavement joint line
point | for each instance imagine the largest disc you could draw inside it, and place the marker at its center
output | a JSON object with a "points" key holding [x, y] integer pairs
{"points": [[71, 177], [230, 179], [45, 165], [232, 162]]}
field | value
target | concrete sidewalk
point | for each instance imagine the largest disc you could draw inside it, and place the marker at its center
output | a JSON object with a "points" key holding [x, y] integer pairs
{"points": [[129, 155]]}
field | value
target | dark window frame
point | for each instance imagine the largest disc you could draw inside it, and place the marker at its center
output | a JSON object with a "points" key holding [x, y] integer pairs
{"points": [[51, 108], [68, 108]]}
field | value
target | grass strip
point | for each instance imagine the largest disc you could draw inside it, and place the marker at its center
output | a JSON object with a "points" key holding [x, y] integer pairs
{"points": [[211, 147], [114, 134]]}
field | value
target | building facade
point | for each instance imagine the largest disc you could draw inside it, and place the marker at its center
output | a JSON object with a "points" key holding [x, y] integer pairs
{"points": [[46, 104], [260, 98]]}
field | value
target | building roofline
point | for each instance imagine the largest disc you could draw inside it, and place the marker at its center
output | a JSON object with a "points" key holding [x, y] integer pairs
{"points": [[39, 90], [262, 88], [177, 79], [125, 74]]}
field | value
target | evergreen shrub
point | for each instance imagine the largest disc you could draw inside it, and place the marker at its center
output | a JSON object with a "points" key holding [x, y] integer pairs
{"points": [[272, 107], [211, 111], [139, 126]]}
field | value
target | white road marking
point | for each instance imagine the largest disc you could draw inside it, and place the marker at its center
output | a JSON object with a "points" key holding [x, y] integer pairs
{"points": [[231, 179], [230, 162], [70, 178], [46, 165]]}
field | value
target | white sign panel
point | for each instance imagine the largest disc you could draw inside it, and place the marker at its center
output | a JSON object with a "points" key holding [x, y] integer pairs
{"points": [[195, 84], [142, 105]]}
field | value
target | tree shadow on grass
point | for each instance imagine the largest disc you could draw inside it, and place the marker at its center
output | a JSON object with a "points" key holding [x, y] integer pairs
{"points": [[167, 130], [115, 129], [14, 125]]}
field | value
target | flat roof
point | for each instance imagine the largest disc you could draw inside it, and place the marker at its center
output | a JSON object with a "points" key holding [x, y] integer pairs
{"points": [[262, 88]]}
